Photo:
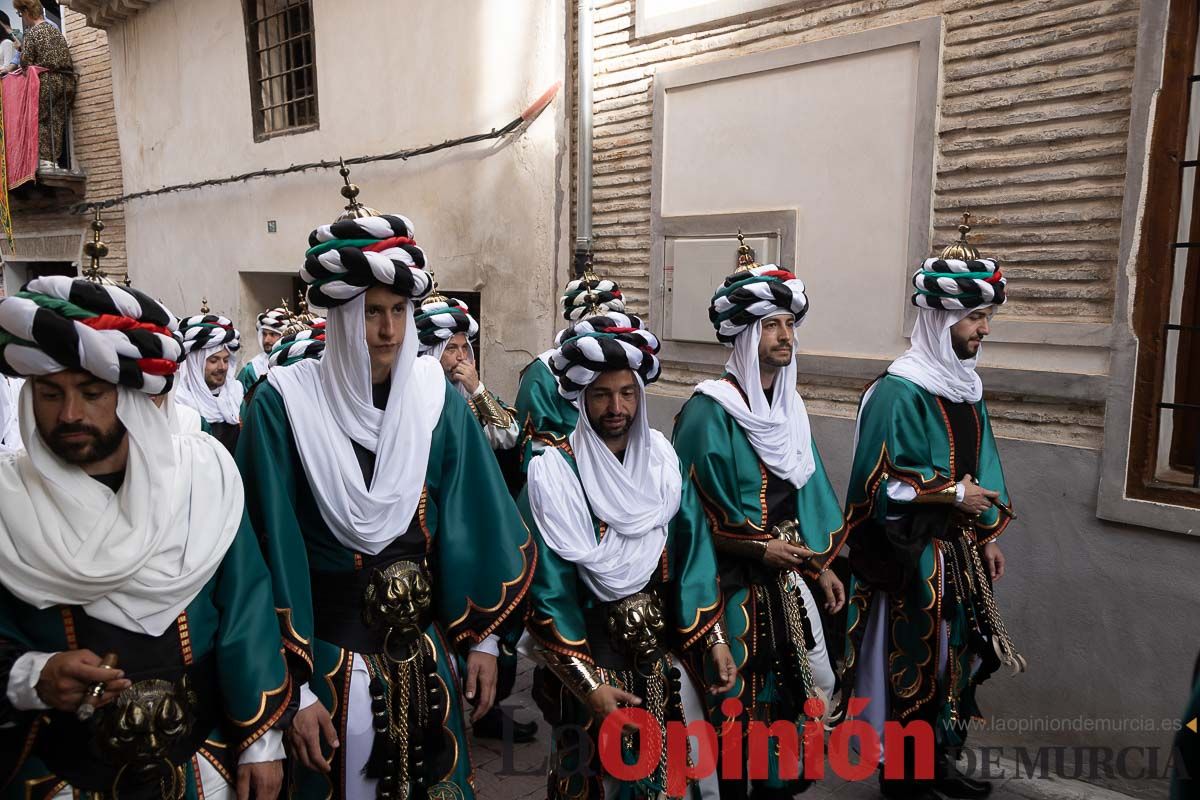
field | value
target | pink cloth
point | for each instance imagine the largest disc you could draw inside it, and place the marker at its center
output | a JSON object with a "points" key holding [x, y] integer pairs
{"points": [[21, 124]]}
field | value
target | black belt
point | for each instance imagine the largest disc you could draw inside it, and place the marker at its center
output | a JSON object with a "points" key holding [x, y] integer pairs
{"points": [[69, 747], [337, 598]]}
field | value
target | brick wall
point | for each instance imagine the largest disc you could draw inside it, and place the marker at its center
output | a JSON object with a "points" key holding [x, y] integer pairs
{"points": [[95, 146], [1034, 115]]}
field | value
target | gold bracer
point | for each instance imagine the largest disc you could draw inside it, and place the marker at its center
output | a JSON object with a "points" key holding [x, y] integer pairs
{"points": [[715, 636], [576, 674], [490, 412], [947, 496], [752, 549]]}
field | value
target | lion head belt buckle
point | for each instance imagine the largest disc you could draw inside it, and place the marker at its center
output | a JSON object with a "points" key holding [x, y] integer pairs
{"points": [[396, 601], [635, 625], [142, 726]]}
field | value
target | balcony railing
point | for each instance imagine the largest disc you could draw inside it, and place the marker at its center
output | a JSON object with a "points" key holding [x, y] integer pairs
{"points": [[35, 184]]}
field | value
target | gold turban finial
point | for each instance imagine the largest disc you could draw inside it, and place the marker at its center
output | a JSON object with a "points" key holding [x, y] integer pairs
{"points": [[962, 250], [96, 250], [745, 255], [204, 309], [590, 279], [350, 191], [434, 295]]}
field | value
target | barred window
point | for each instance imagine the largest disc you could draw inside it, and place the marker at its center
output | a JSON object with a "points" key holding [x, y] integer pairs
{"points": [[1164, 464], [283, 71]]}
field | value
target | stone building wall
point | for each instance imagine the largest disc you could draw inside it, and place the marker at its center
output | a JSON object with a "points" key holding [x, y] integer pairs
{"points": [[1032, 126], [96, 153]]}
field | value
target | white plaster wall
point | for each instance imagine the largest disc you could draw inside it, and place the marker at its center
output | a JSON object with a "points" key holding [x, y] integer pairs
{"points": [[391, 75]]}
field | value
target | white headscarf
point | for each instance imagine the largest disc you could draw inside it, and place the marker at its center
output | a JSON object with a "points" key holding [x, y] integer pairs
{"points": [[260, 363], [931, 362], [779, 431], [135, 558], [436, 352], [10, 426], [329, 404], [637, 498], [193, 391], [181, 418]]}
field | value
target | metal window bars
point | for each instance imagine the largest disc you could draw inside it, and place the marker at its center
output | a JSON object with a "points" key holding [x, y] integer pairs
{"points": [[283, 77], [1185, 402]]}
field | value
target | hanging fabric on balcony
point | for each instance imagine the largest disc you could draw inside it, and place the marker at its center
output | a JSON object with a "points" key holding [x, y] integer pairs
{"points": [[21, 92]]}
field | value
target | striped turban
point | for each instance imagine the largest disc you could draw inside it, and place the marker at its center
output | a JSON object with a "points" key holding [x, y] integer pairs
{"points": [[348, 257], [599, 324], [951, 284], [580, 359], [748, 296], [438, 321], [273, 319], [297, 346], [119, 335], [207, 331], [577, 300]]}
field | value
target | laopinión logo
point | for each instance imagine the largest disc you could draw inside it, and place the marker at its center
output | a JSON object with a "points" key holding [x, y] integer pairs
{"points": [[851, 751]]}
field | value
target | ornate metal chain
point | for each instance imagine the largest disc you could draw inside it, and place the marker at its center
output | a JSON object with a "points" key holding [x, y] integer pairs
{"points": [[1003, 643]]}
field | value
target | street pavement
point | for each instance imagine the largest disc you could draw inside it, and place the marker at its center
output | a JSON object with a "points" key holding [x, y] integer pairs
{"points": [[521, 775]]}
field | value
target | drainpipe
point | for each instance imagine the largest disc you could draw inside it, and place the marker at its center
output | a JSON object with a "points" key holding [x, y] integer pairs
{"points": [[583, 165]]}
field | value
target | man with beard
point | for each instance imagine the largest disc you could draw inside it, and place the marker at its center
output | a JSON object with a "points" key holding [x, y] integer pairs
{"points": [[206, 382], [926, 502], [270, 327], [119, 538], [746, 442], [393, 543], [447, 330], [545, 416], [626, 588]]}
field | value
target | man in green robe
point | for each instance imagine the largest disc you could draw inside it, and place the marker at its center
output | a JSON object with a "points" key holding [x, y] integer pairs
{"points": [[545, 416], [121, 538], [393, 544], [925, 505], [746, 443], [447, 330], [626, 589], [270, 327]]}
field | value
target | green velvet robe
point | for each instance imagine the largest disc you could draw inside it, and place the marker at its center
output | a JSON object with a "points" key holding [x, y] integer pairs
{"points": [[545, 416], [481, 558], [687, 583], [732, 484], [231, 620], [905, 434], [247, 376]]}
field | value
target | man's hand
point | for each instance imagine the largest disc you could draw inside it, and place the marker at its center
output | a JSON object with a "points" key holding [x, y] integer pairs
{"points": [[482, 672], [722, 661], [466, 376], [835, 592], [263, 780], [304, 737], [68, 675], [782, 555], [976, 499], [994, 560], [603, 700]]}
